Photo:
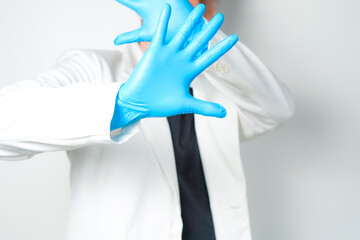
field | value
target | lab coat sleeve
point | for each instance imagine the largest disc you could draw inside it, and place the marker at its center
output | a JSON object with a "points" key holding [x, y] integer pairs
{"points": [[262, 102], [66, 107]]}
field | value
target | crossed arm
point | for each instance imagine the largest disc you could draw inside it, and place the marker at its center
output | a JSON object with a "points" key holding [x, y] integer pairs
{"points": [[72, 105]]}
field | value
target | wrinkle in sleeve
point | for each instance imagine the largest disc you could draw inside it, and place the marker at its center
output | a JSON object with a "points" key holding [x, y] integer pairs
{"points": [[66, 107], [262, 102]]}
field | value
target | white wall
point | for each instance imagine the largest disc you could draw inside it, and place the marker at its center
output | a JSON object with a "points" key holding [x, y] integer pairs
{"points": [[303, 180]]}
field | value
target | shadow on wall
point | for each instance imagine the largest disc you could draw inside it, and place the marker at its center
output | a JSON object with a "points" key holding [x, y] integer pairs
{"points": [[229, 9]]}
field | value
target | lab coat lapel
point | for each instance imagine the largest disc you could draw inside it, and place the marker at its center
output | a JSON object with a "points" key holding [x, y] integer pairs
{"points": [[218, 141], [157, 131]]}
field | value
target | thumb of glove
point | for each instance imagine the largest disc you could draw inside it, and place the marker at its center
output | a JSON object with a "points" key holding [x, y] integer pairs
{"points": [[129, 37], [205, 108]]}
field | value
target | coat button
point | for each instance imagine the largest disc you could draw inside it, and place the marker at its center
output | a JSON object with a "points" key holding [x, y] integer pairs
{"points": [[217, 66], [225, 69], [221, 67]]}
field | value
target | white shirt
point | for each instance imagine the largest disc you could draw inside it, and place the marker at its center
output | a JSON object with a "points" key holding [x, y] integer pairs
{"points": [[124, 183]]}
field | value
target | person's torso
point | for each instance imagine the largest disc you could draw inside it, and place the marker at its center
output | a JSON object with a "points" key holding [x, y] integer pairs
{"points": [[130, 190]]}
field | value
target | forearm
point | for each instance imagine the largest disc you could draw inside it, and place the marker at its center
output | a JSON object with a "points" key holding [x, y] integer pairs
{"points": [[66, 107], [260, 100], [51, 119], [246, 77]]}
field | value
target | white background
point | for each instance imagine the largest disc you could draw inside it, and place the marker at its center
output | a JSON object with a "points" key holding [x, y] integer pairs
{"points": [[303, 179]]}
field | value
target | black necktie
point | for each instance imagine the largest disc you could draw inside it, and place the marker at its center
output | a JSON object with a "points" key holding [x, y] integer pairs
{"points": [[195, 208]]}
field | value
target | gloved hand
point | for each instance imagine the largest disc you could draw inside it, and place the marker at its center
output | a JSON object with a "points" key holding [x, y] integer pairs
{"points": [[159, 85], [150, 10]]}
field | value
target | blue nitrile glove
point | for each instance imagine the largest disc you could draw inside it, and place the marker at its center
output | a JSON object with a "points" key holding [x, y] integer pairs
{"points": [[159, 85], [150, 10]]}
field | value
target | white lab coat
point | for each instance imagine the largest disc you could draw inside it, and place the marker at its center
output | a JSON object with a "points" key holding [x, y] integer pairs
{"points": [[124, 183]]}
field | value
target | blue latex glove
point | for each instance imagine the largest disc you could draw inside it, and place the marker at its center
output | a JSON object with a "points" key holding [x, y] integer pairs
{"points": [[150, 10], [159, 85]]}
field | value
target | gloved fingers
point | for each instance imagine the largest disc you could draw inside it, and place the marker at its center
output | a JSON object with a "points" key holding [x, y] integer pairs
{"points": [[162, 26], [203, 38], [191, 22], [205, 108], [129, 37], [132, 4], [213, 54]]}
